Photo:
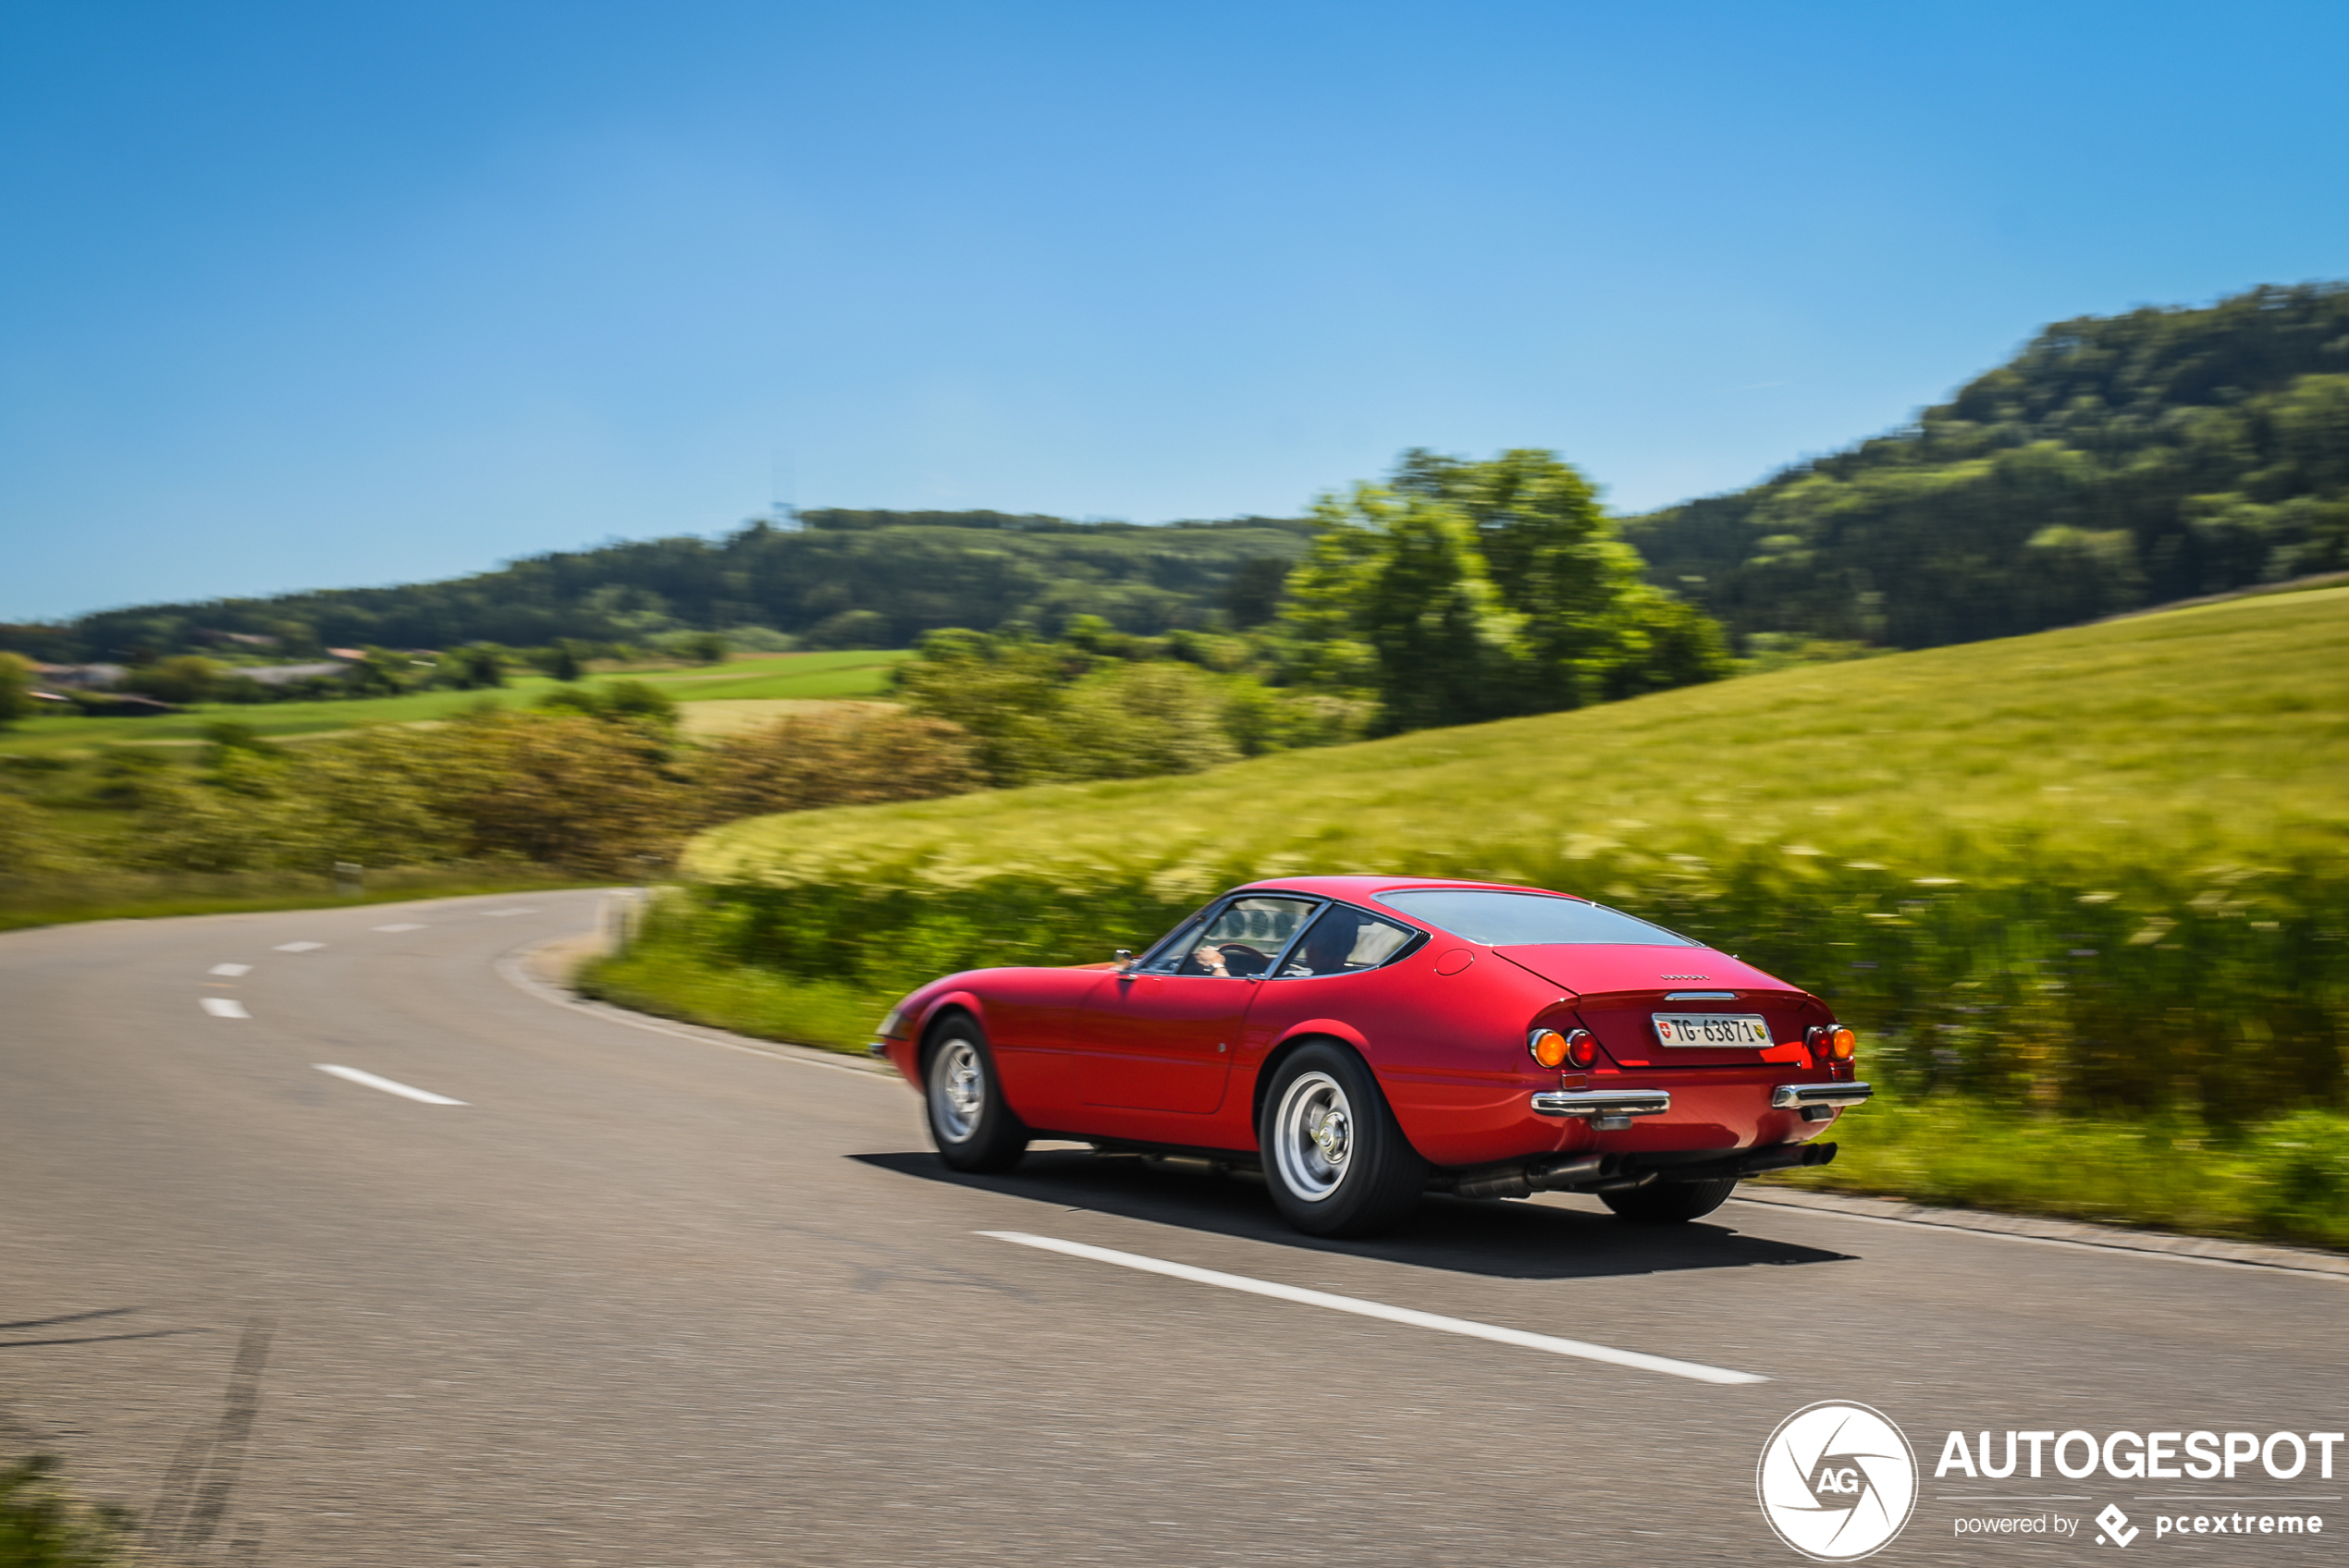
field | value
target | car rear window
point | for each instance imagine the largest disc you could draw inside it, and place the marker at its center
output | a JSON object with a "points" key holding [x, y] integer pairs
{"points": [[1509, 919]]}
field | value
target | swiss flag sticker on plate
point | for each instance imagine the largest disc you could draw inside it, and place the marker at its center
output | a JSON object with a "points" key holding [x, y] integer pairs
{"points": [[1664, 1028]]}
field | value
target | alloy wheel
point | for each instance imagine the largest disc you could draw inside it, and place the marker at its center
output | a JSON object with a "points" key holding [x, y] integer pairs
{"points": [[1313, 1137], [958, 1090]]}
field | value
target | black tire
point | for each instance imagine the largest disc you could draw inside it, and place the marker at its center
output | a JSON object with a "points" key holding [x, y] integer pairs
{"points": [[1334, 1159], [963, 1096], [1670, 1203]]}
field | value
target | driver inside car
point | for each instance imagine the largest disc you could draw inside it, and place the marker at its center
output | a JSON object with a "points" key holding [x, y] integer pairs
{"points": [[1245, 938]]}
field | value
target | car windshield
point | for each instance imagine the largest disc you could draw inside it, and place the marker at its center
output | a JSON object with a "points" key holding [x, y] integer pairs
{"points": [[1510, 919], [1247, 935]]}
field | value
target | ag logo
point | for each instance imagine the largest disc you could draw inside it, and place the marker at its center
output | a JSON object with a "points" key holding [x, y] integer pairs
{"points": [[1836, 1481]]}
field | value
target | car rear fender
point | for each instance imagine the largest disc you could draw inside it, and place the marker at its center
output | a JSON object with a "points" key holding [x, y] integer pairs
{"points": [[1301, 1034]]}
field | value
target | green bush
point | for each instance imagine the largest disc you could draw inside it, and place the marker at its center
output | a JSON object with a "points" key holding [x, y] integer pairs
{"points": [[2300, 1166], [2224, 992], [2281, 1179], [42, 1526]]}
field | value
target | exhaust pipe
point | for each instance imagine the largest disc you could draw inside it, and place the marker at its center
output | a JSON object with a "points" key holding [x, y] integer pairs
{"points": [[1615, 1173], [1743, 1163], [1535, 1176]]}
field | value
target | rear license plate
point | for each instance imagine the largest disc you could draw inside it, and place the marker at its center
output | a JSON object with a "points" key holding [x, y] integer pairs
{"points": [[1735, 1030]]}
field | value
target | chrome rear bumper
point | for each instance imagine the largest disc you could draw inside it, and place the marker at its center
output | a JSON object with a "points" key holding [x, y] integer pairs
{"points": [[1800, 1096], [1818, 1101], [1607, 1110]]}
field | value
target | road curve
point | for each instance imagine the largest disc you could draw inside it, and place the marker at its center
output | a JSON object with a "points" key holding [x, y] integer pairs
{"points": [[587, 1294]]}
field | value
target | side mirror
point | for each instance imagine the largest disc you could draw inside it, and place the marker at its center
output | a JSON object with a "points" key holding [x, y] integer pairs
{"points": [[1125, 958]]}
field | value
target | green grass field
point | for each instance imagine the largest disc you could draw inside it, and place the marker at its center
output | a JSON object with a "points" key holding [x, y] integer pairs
{"points": [[850, 673], [2084, 893], [771, 676], [2220, 732]]}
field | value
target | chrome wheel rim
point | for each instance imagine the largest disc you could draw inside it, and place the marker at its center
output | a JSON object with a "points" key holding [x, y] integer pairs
{"points": [[1313, 1137], [957, 1090]]}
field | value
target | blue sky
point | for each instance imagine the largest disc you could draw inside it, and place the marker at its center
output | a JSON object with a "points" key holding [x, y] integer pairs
{"points": [[300, 295]]}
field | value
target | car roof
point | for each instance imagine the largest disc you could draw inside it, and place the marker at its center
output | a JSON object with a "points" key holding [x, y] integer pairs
{"points": [[1364, 886]]}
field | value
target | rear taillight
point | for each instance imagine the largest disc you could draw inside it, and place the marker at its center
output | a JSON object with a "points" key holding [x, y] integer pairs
{"points": [[1553, 1050], [1830, 1043]]}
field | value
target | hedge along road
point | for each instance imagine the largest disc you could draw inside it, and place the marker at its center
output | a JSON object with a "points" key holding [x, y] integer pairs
{"points": [[526, 1283]]}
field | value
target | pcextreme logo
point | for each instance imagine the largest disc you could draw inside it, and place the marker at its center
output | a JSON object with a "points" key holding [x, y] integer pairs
{"points": [[1836, 1481]]}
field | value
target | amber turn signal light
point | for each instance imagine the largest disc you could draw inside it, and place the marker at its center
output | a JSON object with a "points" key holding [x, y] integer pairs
{"points": [[1831, 1042], [1553, 1050]]}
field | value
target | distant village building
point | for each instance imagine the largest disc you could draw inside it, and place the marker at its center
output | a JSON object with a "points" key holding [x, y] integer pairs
{"points": [[287, 674], [83, 677]]}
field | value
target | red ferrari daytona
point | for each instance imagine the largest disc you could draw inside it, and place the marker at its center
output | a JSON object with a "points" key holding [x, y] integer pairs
{"points": [[1366, 1039]]}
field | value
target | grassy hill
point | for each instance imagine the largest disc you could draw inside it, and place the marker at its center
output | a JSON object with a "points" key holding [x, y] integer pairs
{"points": [[770, 678], [2215, 733], [2084, 892]]}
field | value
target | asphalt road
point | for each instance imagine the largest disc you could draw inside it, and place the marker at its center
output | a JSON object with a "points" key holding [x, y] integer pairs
{"points": [[644, 1300]]}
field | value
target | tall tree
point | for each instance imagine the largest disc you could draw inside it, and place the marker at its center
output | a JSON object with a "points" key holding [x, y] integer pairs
{"points": [[1462, 591], [15, 689]]}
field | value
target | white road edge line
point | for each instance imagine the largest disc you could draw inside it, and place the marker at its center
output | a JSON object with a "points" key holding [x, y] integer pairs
{"points": [[1465, 1327], [387, 1085], [223, 1006], [2106, 1249]]}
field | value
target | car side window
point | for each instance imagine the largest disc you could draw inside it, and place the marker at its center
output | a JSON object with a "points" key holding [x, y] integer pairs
{"points": [[1244, 937], [1345, 940]]}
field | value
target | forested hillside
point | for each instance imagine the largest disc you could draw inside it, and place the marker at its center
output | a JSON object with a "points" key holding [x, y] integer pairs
{"points": [[2115, 463], [844, 578]]}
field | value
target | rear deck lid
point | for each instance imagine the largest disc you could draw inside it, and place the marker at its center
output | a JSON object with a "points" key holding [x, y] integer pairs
{"points": [[1625, 993]]}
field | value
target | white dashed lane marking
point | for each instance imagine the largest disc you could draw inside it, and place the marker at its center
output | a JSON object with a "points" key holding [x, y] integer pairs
{"points": [[299, 947], [403, 925], [223, 1006], [387, 1085], [501, 913], [1465, 1327], [231, 969]]}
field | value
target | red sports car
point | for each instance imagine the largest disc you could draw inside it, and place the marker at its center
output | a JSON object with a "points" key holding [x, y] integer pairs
{"points": [[1370, 1038]]}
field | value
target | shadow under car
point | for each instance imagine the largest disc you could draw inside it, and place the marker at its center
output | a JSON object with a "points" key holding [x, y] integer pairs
{"points": [[1504, 1239]]}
